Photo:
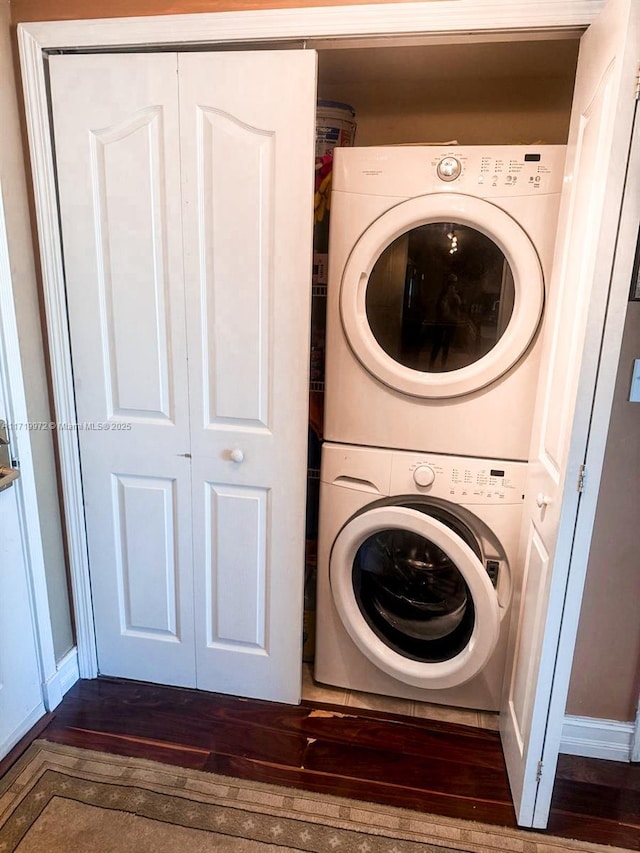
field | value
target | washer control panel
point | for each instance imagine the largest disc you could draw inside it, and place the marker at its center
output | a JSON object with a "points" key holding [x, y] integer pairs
{"points": [[460, 479]]}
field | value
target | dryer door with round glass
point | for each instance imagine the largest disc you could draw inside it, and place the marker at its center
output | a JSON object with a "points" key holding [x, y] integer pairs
{"points": [[441, 295], [413, 594]]}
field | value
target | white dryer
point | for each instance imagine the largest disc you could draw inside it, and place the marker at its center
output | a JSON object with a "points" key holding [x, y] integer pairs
{"points": [[416, 557], [438, 264]]}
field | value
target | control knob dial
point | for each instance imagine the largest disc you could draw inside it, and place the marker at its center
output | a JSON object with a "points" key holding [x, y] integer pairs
{"points": [[424, 475], [449, 168]]}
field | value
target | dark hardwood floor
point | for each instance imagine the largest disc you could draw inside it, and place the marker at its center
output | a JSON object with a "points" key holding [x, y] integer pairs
{"points": [[427, 765]]}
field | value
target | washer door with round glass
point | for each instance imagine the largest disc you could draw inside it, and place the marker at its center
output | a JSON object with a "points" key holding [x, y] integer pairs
{"points": [[441, 295], [414, 596]]}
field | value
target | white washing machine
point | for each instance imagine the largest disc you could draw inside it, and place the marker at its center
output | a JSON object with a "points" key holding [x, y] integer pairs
{"points": [[438, 263], [416, 560]]}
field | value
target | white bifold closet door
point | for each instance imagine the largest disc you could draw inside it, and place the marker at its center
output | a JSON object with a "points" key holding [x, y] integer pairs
{"points": [[185, 186]]}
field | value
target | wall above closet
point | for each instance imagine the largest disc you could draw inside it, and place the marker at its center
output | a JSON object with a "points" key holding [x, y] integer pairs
{"points": [[503, 92]]}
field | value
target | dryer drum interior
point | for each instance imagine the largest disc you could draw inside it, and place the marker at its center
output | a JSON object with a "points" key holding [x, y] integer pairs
{"points": [[411, 593], [440, 297]]}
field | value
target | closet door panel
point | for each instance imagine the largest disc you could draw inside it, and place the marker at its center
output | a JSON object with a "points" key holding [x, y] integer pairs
{"points": [[118, 158], [248, 131], [145, 510], [131, 275], [235, 194], [235, 568]]}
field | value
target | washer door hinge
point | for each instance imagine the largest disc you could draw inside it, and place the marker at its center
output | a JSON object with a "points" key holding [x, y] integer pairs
{"points": [[539, 771], [582, 476]]}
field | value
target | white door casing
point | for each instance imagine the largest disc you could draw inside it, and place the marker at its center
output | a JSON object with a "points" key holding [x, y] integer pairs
{"points": [[516, 17], [551, 557], [195, 490]]}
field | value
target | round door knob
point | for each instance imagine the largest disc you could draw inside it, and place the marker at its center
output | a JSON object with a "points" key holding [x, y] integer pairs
{"points": [[449, 168], [543, 500], [237, 455], [424, 475]]}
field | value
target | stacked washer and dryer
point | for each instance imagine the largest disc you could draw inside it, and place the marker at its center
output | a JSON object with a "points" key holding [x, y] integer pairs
{"points": [[438, 264]]}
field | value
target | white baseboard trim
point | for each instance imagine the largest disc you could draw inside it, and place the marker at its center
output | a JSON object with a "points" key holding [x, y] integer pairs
{"points": [[68, 670], [66, 675], [593, 738]]}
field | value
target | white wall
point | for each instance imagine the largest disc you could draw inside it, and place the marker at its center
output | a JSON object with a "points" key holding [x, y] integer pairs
{"points": [[12, 172]]}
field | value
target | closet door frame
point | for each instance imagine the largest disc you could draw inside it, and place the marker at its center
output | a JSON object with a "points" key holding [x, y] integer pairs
{"points": [[408, 22], [395, 24]]}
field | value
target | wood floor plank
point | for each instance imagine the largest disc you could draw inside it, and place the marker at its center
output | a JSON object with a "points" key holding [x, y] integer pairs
{"points": [[212, 708], [418, 722], [408, 739], [592, 829], [372, 791], [601, 801], [194, 759], [137, 694], [427, 774], [167, 724], [616, 774]]}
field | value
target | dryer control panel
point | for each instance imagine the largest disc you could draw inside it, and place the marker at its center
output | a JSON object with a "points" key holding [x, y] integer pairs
{"points": [[509, 174], [460, 479], [484, 171]]}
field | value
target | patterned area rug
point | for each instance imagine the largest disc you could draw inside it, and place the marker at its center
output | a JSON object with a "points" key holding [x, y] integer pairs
{"points": [[59, 798]]}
